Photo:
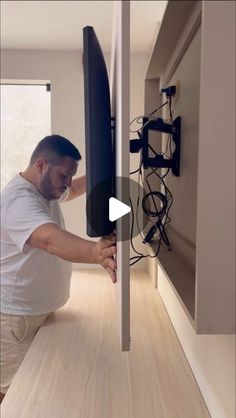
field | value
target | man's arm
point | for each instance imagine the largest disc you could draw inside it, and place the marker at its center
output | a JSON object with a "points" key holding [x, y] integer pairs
{"points": [[77, 188], [70, 247]]}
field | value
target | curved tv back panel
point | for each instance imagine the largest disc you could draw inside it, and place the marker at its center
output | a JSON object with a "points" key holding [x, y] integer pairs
{"points": [[100, 159]]}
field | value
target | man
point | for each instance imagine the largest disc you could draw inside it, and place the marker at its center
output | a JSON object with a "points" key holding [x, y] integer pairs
{"points": [[37, 251]]}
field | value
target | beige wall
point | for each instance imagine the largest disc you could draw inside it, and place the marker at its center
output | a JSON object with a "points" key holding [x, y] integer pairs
{"points": [[184, 188], [211, 357], [215, 244]]}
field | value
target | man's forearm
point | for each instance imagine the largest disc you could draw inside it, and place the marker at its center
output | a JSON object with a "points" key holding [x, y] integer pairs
{"points": [[68, 246], [63, 244]]}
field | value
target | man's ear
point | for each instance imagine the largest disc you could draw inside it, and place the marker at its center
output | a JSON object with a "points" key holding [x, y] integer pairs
{"points": [[41, 165]]}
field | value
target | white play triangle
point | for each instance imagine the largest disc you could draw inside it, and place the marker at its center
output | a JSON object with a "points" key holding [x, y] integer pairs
{"points": [[117, 209]]}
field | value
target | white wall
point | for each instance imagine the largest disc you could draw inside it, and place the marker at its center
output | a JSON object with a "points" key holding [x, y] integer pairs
{"points": [[65, 71]]}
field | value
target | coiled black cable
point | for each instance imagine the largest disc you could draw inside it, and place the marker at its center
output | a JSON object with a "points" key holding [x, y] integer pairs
{"points": [[161, 213]]}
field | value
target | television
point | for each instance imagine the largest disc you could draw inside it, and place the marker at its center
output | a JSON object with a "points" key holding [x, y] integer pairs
{"points": [[99, 138]]}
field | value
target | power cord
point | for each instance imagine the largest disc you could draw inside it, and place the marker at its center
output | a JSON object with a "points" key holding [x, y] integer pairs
{"points": [[166, 199]]}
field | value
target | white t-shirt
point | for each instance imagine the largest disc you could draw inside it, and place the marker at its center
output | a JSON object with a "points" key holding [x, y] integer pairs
{"points": [[33, 282]]}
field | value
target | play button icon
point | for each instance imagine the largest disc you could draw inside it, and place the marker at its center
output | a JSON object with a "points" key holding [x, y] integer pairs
{"points": [[117, 209], [105, 205]]}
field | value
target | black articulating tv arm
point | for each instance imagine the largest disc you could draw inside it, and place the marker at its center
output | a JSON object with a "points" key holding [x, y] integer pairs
{"points": [[159, 161]]}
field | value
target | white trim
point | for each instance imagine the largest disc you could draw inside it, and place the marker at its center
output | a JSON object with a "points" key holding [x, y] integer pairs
{"points": [[25, 82]]}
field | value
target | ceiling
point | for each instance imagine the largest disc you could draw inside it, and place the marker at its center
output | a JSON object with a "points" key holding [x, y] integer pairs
{"points": [[57, 25]]}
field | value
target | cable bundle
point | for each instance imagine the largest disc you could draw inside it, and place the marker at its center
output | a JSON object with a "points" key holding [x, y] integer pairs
{"points": [[161, 213]]}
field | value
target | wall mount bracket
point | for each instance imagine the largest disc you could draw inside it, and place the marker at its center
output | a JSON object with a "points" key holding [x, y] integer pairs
{"points": [[159, 161]]}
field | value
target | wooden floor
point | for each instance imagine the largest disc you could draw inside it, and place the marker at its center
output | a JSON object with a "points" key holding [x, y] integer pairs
{"points": [[75, 369]]}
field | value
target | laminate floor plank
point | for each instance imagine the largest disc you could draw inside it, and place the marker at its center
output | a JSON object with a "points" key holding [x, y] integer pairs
{"points": [[75, 369]]}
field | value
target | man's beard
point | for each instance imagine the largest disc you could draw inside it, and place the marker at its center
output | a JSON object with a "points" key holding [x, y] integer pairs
{"points": [[46, 188]]}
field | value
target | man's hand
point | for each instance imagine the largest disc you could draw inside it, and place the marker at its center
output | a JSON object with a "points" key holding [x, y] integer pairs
{"points": [[77, 188], [106, 250]]}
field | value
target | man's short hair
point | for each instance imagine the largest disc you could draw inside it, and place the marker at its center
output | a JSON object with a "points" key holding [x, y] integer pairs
{"points": [[54, 147]]}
